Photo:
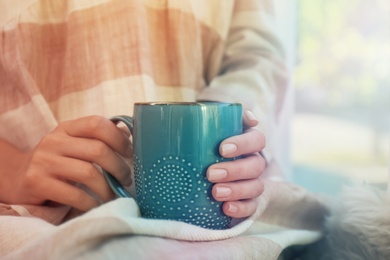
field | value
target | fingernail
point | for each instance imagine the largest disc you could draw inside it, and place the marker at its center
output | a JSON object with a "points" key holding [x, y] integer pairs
{"points": [[232, 208], [228, 149], [217, 174], [222, 192], [250, 115]]}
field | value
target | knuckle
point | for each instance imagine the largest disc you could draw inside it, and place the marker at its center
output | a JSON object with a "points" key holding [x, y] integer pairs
{"points": [[235, 169], [250, 207], [30, 179], [246, 168], [260, 161], [99, 150], [259, 136], [90, 172], [39, 163], [244, 208], [50, 140], [258, 188], [75, 197], [94, 123]]}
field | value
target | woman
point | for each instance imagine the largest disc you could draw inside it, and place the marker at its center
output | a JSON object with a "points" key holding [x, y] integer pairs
{"points": [[66, 67]]}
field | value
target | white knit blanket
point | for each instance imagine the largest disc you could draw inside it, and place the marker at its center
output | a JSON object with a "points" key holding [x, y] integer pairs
{"points": [[287, 215]]}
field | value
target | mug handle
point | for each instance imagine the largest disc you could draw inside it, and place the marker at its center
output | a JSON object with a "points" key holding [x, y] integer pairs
{"points": [[114, 184]]}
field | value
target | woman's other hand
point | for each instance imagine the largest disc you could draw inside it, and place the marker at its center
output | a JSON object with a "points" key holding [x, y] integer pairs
{"points": [[238, 182]]}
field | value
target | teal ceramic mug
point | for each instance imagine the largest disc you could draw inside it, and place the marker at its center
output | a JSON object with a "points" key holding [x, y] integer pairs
{"points": [[174, 144]]}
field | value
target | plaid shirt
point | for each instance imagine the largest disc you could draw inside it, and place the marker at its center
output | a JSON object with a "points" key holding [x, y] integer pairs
{"points": [[61, 60]]}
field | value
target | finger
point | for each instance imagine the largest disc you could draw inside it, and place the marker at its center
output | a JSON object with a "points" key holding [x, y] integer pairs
{"points": [[67, 194], [249, 119], [240, 190], [249, 167], [240, 209], [97, 127], [85, 173], [125, 130], [249, 142], [95, 151]]}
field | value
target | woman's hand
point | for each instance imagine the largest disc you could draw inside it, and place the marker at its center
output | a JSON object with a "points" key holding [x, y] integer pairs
{"points": [[238, 182], [68, 155]]}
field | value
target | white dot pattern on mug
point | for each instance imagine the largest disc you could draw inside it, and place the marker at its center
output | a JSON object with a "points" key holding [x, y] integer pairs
{"points": [[173, 188], [173, 180]]}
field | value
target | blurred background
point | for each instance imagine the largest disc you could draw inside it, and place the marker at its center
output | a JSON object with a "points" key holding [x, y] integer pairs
{"points": [[339, 53]]}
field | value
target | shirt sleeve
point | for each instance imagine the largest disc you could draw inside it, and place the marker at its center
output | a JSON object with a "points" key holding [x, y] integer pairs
{"points": [[253, 69]]}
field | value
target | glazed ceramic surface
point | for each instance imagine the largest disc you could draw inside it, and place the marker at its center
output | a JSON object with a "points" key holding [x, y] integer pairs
{"points": [[174, 144]]}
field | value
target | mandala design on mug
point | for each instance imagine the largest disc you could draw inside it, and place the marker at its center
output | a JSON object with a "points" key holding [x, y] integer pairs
{"points": [[174, 188], [173, 178]]}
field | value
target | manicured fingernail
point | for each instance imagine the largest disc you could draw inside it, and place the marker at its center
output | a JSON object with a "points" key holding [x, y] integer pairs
{"points": [[223, 192], [228, 149], [232, 208], [217, 174], [250, 115]]}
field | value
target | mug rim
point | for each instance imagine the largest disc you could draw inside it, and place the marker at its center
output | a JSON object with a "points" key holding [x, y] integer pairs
{"points": [[186, 103]]}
